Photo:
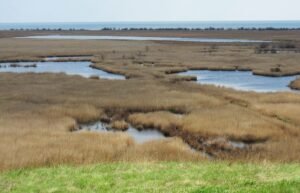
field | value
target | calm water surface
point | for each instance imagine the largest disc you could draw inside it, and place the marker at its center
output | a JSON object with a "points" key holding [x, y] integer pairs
{"points": [[54, 58], [137, 38], [70, 68], [138, 136], [241, 80]]}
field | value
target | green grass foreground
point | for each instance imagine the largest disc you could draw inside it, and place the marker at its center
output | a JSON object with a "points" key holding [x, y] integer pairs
{"points": [[155, 177]]}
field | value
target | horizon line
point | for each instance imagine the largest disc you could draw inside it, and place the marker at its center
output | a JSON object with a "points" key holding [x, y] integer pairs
{"points": [[296, 20]]}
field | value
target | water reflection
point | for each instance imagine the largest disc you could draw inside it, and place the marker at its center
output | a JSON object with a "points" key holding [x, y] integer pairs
{"points": [[70, 68], [241, 80], [139, 136], [140, 38]]}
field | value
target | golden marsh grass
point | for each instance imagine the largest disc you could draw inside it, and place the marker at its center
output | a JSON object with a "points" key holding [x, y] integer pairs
{"points": [[39, 111]]}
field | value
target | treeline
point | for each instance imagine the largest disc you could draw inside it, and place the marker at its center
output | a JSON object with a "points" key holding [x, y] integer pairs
{"points": [[46, 29], [162, 29], [200, 29]]}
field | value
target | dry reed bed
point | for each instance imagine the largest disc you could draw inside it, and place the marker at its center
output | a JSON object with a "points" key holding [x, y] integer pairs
{"points": [[295, 84], [39, 110], [43, 138], [50, 105]]}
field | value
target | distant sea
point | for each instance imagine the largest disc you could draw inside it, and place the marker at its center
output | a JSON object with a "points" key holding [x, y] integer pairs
{"points": [[153, 25]]}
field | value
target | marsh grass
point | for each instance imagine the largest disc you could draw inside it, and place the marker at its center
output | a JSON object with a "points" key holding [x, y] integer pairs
{"points": [[37, 111], [163, 121], [295, 84], [82, 113], [120, 125]]}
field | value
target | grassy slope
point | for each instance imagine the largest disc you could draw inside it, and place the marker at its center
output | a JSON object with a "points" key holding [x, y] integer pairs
{"points": [[156, 177]]}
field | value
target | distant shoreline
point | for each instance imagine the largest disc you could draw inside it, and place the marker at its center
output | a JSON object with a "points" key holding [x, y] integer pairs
{"points": [[265, 35], [180, 25]]}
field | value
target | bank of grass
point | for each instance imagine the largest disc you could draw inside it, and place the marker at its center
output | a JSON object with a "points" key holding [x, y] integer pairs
{"points": [[156, 177], [295, 84]]}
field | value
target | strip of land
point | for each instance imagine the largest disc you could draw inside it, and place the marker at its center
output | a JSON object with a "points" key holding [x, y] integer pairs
{"points": [[269, 35]]}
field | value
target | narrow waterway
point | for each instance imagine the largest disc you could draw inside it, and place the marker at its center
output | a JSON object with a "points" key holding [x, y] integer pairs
{"points": [[81, 68], [241, 80]]}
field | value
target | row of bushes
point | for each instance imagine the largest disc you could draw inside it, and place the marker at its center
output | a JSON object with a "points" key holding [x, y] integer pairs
{"points": [[203, 29], [45, 29], [152, 29]]}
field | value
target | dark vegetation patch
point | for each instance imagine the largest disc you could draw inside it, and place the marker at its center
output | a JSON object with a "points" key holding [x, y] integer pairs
{"points": [[274, 48]]}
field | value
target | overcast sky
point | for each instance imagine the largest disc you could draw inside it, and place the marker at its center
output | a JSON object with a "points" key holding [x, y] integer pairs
{"points": [[146, 10]]}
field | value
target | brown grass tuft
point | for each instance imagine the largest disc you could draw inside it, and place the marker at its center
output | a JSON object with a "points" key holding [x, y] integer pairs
{"points": [[81, 113], [295, 84], [157, 120], [120, 125]]}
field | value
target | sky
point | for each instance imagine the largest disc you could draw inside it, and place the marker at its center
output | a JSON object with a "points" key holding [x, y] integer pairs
{"points": [[12, 11]]}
